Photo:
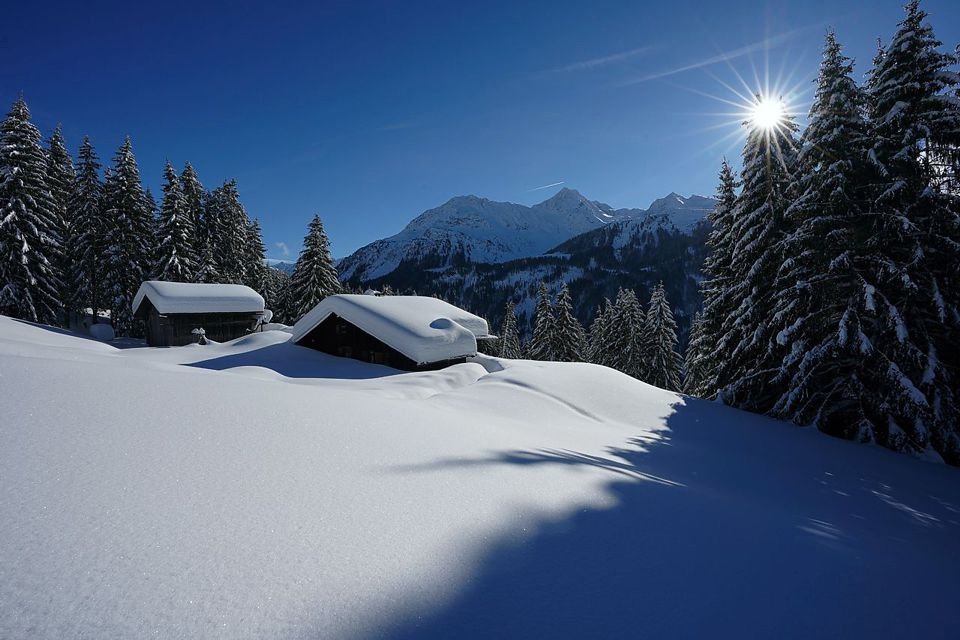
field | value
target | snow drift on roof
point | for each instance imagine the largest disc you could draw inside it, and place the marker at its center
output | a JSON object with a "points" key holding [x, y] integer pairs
{"points": [[421, 328], [186, 297]]}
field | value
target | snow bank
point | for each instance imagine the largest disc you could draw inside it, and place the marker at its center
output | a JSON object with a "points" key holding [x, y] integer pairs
{"points": [[214, 493], [184, 297], [423, 329]]}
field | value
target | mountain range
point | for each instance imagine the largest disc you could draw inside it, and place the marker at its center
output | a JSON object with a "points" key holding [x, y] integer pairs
{"points": [[479, 253], [471, 230]]}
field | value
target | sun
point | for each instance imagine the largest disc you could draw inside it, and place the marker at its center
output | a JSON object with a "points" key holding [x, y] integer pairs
{"points": [[767, 113]]}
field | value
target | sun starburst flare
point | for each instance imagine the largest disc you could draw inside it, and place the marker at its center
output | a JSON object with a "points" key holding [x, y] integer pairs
{"points": [[767, 113]]}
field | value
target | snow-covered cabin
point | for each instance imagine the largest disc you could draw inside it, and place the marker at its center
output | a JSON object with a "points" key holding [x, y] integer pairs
{"points": [[172, 310], [413, 333]]}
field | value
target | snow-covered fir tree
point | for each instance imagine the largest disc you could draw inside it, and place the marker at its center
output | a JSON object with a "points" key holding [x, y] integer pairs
{"points": [[662, 360], [704, 356], [175, 232], [695, 357], [915, 117], [826, 291], [29, 222], [87, 241], [227, 227], [60, 178], [129, 237], [315, 276], [627, 331], [598, 346], [194, 197], [509, 336], [207, 270], [277, 295], [255, 266], [569, 339], [542, 342], [751, 355]]}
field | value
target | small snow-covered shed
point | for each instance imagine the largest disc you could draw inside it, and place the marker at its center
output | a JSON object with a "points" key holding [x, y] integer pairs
{"points": [[413, 333], [172, 310]]}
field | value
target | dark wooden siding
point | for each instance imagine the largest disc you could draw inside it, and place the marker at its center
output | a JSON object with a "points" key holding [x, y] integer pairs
{"points": [[176, 329], [339, 337]]}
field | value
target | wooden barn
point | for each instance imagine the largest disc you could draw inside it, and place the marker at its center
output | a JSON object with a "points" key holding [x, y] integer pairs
{"points": [[173, 310], [412, 333]]}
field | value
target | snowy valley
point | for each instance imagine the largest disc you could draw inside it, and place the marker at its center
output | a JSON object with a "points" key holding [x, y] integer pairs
{"points": [[716, 417], [261, 489]]}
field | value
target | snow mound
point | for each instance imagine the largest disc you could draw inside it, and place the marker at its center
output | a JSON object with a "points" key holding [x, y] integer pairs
{"points": [[101, 332]]}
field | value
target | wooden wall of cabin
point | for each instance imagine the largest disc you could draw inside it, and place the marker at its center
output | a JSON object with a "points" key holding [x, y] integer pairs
{"points": [[339, 337], [176, 329]]}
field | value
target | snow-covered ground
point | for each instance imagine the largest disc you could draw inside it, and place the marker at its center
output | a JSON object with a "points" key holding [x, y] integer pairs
{"points": [[259, 489]]}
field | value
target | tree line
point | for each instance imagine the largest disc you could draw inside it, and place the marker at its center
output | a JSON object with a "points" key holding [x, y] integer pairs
{"points": [[622, 336], [832, 293], [77, 239]]}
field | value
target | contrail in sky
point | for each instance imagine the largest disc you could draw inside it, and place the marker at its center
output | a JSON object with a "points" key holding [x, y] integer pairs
{"points": [[599, 62], [547, 186], [720, 57]]}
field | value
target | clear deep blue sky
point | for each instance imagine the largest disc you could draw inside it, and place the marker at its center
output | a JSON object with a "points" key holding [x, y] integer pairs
{"points": [[369, 113]]}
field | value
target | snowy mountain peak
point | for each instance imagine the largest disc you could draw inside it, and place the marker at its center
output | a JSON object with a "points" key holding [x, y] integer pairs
{"points": [[565, 194], [682, 212]]}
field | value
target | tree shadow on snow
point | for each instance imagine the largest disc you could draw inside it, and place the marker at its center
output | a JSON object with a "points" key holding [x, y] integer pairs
{"points": [[749, 527]]}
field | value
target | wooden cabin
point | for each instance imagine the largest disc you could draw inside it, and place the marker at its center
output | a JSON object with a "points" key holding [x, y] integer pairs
{"points": [[411, 333], [172, 311]]}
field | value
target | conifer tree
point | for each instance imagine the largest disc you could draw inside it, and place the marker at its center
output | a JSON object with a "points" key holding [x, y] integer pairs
{"points": [[87, 241], [695, 358], [194, 197], [628, 343], [714, 288], [29, 286], [227, 225], [915, 117], [315, 276], [568, 334], [542, 343], [752, 357], [662, 361], [60, 178], [277, 296], [598, 351], [175, 232], [207, 271], [509, 337], [255, 268], [129, 237], [826, 285]]}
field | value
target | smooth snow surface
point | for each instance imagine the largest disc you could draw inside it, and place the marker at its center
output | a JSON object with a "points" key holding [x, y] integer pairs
{"points": [[257, 489], [185, 297], [422, 328]]}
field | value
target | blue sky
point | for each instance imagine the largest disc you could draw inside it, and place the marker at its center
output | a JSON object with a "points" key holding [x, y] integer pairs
{"points": [[370, 112]]}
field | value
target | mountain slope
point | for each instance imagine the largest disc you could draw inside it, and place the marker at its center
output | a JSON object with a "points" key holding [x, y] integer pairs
{"points": [[260, 489]]}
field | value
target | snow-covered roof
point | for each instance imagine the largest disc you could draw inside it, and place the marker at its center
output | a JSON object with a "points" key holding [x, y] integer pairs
{"points": [[187, 297], [421, 328]]}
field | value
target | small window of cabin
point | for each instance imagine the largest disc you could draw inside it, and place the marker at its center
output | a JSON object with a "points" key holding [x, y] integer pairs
{"points": [[378, 357], [345, 351], [341, 328]]}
